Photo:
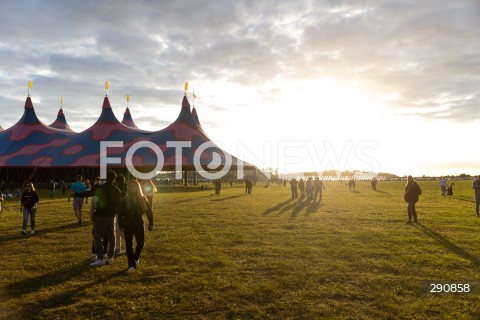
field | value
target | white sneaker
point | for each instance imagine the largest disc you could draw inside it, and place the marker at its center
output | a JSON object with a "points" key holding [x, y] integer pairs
{"points": [[109, 260], [137, 262], [32, 232], [98, 262], [131, 269]]}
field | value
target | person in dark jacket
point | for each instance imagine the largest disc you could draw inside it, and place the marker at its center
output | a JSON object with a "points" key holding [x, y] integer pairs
{"points": [[412, 191], [130, 218], [293, 187], [109, 197], [301, 187], [476, 187], [51, 189], [28, 204]]}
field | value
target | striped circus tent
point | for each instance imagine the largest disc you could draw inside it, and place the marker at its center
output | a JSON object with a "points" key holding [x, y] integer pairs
{"points": [[35, 146]]}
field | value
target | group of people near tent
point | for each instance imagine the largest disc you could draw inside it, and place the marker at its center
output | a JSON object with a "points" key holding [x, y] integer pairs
{"points": [[116, 208], [313, 188]]}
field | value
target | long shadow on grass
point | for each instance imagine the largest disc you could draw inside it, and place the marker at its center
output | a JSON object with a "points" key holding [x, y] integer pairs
{"points": [[63, 298], [230, 197], [448, 244], [300, 206], [51, 279], [15, 236], [277, 207], [380, 191], [465, 199]]}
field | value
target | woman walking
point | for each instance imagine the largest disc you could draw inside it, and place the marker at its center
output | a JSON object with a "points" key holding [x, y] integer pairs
{"points": [[28, 205], [412, 191], [130, 218]]}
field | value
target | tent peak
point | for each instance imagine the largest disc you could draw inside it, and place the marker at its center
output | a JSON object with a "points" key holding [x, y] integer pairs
{"points": [[28, 103], [106, 103], [185, 103]]}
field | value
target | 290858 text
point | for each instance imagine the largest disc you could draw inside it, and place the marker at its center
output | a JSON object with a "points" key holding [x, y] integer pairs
{"points": [[450, 287]]}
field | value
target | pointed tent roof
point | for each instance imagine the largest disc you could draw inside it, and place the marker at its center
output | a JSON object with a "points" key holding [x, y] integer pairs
{"points": [[29, 141], [195, 117], [83, 149], [61, 122], [127, 119], [187, 128]]}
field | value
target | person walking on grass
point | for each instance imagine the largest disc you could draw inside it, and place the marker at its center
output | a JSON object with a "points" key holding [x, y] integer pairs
{"points": [[319, 187], [443, 186], [130, 218], [149, 190], [412, 192], [28, 205], [301, 187], [476, 187], [294, 187], [310, 188], [51, 189], [93, 208], [88, 186], [104, 217], [78, 187]]}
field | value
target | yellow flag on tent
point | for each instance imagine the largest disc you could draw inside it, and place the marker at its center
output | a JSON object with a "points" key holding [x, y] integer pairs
{"points": [[61, 100], [128, 98], [186, 86], [106, 85], [29, 84], [194, 96]]}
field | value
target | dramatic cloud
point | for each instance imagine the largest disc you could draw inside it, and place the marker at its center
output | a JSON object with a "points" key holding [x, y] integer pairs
{"points": [[417, 58]]}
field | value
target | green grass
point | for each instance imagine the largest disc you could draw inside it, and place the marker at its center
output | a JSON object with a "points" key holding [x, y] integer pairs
{"points": [[259, 256]]}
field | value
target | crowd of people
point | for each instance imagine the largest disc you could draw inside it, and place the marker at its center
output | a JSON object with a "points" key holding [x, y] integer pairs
{"points": [[118, 208]]}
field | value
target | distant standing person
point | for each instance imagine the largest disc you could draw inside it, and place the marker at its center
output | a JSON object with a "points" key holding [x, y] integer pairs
{"points": [[310, 188], [218, 186], [450, 189], [249, 185], [443, 186], [374, 184], [412, 191], [1, 200], [130, 218], [301, 187], [28, 204], [319, 187], [148, 190], [77, 187], [63, 185], [89, 187], [476, 187], [294, 188], [51, 189]]}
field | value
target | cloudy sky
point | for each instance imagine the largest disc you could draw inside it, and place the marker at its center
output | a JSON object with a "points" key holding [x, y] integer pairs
{"points": [[388, 86]]}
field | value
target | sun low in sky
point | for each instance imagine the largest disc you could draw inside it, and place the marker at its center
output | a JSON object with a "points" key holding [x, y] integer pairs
{"points": [[299, 86]]}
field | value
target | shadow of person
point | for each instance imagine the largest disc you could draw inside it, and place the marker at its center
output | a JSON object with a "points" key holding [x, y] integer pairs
{"points": [[448, 244]]}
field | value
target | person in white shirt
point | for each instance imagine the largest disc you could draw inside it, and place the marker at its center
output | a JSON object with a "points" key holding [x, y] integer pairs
{"points": [[443, 186]]}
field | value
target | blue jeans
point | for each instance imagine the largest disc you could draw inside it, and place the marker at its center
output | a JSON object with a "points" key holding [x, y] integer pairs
{"points": [[31, 212]]}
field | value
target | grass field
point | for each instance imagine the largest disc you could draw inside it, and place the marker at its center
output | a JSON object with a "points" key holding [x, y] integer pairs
{"points": [[258, 256]]}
